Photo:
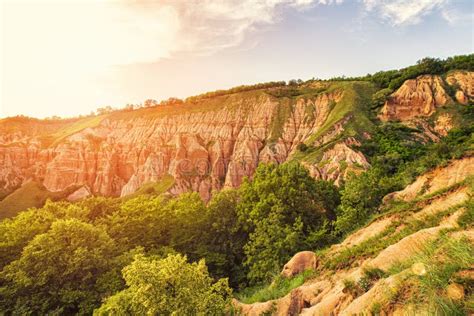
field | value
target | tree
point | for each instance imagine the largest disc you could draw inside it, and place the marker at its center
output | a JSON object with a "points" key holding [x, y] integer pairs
{"points": [[129, 107], [283, 211], [379, 98], [169, 286], [142, 221], [223, 238], [361, 197], [149, 103], [105, 110], [57, 270], [15, 233]]}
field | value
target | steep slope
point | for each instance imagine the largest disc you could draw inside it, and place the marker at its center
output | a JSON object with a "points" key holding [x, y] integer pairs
{"points": [[204, 146], [409, 260], [211, 143]]}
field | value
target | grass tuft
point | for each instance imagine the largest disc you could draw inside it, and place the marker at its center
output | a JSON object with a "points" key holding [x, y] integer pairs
{"points": [[276, 289]]}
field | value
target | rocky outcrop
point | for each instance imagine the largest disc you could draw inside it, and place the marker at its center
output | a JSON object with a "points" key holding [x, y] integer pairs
{"points": [[457, 171], [415, 98], [443, 124], [302, 261], [337, 162], [421, 97], [204, 146], [80, 194], [463, 82]]}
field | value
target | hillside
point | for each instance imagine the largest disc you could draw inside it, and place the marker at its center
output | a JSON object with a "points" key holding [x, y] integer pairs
{"points": [[212, 142], [414, 259], [340, 197]]}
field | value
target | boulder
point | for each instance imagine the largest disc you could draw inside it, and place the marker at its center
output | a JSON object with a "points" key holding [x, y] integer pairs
{"points": [[302, 261], [80, 194]]}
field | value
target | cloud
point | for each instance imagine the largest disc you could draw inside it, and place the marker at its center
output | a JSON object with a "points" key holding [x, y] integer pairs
{"points": [[207, 26], [57, 50], [90, 35], [453, 16], [404, 12]]}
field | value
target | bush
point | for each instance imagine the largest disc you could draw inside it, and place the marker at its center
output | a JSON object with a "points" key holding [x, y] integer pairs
{"points": [[302, 147], [57, 270], [169, 286], [285, 211]]}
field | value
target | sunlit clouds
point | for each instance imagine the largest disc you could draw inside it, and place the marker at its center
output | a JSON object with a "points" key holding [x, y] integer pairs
{"points": [[66, 57]]}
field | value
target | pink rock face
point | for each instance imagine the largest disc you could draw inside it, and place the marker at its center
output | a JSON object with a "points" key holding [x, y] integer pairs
{"points": [[415, 98], [79, 194], [203, 150], [422, 96], [464, 82]]}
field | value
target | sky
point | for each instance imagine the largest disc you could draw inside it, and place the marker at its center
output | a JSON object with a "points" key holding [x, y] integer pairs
{"points": [[70, 57]]}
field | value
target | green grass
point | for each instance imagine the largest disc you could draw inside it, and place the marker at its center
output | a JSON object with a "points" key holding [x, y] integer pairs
{"points": [[389, 236], [230, 102], [442, 259], [31, 194], [278, 288], [466, 220], [282, 114], [153, 188], [75, 127], [355, 101]]}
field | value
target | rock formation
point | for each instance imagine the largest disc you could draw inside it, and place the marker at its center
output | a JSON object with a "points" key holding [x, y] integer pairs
{"points": [[463, 81], [212, 143], [302, 261], [416, 97], [204, 146]]}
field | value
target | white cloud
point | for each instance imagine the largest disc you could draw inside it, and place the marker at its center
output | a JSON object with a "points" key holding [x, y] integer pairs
{"points": [[404, 12], [55, 48], [207, 25], [453, 16]]}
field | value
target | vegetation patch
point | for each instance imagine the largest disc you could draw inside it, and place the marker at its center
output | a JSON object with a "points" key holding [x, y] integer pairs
{"points": [[77, 126], [279, 287], [443, 259], [31, 194], [389, 236], [153, 188], [279, 118]]}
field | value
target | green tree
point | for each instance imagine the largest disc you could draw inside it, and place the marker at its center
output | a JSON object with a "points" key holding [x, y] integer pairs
{"points": [[57, 270], [187, 215], [224, 238], [283, 209], [15, 233], [142, 221], [379, 98], [169, 286], [361, 197]]}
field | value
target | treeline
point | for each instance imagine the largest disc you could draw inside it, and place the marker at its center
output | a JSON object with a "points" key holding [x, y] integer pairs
{"points": [[393, 79], [243, 88], [386, 81]]}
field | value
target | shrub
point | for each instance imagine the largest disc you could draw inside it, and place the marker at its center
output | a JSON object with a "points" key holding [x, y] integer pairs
{"points": [[169, 286]]}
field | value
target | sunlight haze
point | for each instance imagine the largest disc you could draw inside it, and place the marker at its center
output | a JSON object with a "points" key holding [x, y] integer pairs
{"points": [[75, 56]]}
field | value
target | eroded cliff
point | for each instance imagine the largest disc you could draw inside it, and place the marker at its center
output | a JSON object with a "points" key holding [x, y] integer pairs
{"points": [[215, 142], [205, 146]]}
